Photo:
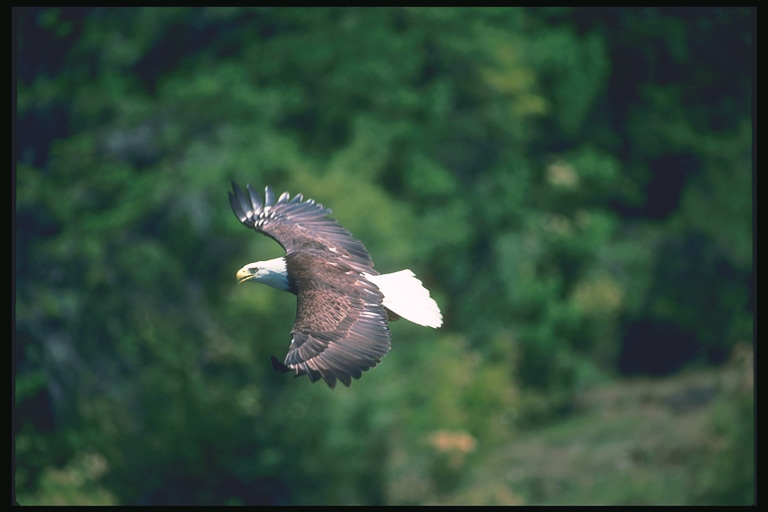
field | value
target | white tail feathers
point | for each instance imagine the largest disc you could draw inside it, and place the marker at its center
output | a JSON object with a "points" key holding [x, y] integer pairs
{"points": [[406, 296]]}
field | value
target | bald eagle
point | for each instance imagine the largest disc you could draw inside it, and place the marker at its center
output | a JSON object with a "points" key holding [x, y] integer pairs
{"points": [[343, 304]]}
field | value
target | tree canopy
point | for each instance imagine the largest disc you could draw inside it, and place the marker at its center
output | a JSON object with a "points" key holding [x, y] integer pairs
{"points": [[573, 185]]}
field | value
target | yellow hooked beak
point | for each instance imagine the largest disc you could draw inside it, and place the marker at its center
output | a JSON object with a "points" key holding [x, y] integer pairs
{"points": [[245, 273]]}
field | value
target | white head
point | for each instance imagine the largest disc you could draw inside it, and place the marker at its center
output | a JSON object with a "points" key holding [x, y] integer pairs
{"points": [[271, 272]]}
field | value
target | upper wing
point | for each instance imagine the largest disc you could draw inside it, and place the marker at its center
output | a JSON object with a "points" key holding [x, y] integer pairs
{"points": [[341, 325], [299, 225]]}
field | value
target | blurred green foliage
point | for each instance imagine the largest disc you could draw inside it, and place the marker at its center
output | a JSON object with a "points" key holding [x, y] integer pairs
{"points": [[573, 185]]}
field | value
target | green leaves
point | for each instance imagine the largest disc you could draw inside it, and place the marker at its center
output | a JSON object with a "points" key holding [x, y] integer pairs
{"points": [[556, 177]]}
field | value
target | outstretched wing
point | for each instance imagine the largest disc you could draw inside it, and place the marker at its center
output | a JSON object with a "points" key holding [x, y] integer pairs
{"points": [[299, 225], [341, 325]]}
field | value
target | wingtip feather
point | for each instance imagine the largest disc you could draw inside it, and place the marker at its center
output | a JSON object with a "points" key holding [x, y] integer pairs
{"points": [[269, 196]]}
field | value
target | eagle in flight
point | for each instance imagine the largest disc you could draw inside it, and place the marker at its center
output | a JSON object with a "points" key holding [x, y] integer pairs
{"points": [[343, 304]]}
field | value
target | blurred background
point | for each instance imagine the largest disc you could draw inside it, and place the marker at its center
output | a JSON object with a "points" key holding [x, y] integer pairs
{"points": [[574, 186]]}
